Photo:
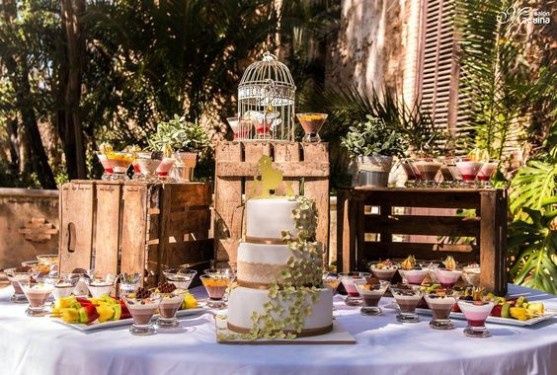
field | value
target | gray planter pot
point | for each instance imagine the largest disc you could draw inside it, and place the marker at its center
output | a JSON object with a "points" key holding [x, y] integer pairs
{"points": [[184, 166], [373, 171]]}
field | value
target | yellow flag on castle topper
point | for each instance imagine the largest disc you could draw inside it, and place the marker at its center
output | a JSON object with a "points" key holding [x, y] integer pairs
{"points": [[270, 179]]}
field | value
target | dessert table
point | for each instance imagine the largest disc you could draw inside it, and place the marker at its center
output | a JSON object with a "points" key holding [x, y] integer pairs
{"points": [[41, 346]]}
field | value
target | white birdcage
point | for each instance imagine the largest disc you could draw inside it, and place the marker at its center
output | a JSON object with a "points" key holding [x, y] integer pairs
{"points": [[266, 97]]}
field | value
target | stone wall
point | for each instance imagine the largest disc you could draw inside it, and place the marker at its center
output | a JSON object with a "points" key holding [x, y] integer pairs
{"points": [[28, 224]]}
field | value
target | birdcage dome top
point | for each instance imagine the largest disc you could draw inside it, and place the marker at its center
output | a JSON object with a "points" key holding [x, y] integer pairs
{"points": [[267, 82]]}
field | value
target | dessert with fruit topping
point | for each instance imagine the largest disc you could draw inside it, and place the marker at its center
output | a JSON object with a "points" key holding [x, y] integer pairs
{"points": [[449, 275], [441, 304], [371, 291], [171, 301], [411, 272], [348, 280], [384, 270]]}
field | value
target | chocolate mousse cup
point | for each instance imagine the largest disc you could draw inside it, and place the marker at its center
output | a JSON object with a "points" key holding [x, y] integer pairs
{"points": [[14, 276], [441, 308], [407, 301], [168, 307], [37, 296], [142, 312], [371, 295]]}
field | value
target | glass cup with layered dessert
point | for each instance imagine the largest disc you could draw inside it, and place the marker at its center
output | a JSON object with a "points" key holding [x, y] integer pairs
{"points": [[471, 274], [216, 283], [128, 282], [407, 298], [142, 305], [37, 295], [384, 270], [411, 272], [311, 123], [371, 290], [348, 280], [331, 281], [428, 169], [448, 275], [181, 277], [64, 286], [486, 172], [100, 286], [476, 313], [121, 162], [412, 174], [148, 162], [468, 168], [441, 304], [171, 300], [15, 275]]}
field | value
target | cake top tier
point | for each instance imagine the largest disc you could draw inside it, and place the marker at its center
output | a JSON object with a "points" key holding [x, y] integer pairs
{"points": [[267, 218]]}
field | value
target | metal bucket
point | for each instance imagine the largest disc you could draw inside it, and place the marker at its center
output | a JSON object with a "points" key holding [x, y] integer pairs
{"points": [[373, 178]]}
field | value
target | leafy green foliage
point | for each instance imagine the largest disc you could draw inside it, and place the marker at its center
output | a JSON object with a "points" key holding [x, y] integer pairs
{"points": [[533, 184], [533, 244], [374, 137], [180, 135]]}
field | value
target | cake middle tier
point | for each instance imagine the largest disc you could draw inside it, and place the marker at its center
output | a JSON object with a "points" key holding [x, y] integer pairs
{"points": [[260, 265]]}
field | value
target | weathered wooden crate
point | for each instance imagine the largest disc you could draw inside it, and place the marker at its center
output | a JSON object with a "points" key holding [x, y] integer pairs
{"points": [[133, 226], [364, 236], [305, 165]]}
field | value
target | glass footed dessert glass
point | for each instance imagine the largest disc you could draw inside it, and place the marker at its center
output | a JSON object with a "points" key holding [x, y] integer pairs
{"points": [[241, 130], [476, 313], [181, 277], [348, 279], [142, 311], [128, 282], [311, 123], [37, 295], [384, 270], [98, 287], [471, 274], [164, 168], [441, 307], [169, 305], [447, 278], [15, 275], [63, 286], [407, 300], [486, 172], [216, 283], [412, 174], [468, 170], [121, 161], [147, 166], [415, 276], [428, 169], [108, 166], [371, 294]]}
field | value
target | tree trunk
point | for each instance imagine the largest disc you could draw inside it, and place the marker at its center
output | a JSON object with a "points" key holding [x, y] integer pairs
{"points": [[69, 120], [18, 71]]}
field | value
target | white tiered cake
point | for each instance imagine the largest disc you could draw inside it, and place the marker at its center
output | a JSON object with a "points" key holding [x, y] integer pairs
{"points": [[261, 259]]}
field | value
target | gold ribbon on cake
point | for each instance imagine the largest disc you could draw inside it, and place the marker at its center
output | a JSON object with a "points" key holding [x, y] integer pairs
{"points": [[265, 240]]}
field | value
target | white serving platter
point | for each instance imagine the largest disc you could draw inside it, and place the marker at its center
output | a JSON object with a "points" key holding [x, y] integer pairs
{"points": [[498, 320], [122, 322]]}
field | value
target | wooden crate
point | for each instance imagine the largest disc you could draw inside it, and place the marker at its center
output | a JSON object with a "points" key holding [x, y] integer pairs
{"points": [[236, 167], [357, 226], [133, 226]]}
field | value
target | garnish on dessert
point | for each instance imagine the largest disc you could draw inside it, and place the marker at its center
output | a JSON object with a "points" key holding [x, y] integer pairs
{"points": [[449, 263], [408, 263], [384, 265]]}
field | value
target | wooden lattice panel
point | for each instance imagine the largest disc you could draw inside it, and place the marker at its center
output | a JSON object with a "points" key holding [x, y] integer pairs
{"points": [[304, 165]]}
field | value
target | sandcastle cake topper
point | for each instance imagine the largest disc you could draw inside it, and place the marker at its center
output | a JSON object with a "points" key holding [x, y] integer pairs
{"points": [[269, 180]]}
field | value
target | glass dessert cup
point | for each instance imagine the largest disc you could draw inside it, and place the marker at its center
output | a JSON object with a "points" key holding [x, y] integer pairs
{"points": [[216, 286], [37, 295], [128, 282], [181, 278], [15, 275], [371, 294], [383, 273], [471, 274], [169, 305], [108, 166], [415, 276], [164, 168], [428, 169], [476, 313], [407, 300], [468, 170], [63, 287], [240, 129], [142, 311], [312, 123], [447, 278], [147, 166], [331, 281], [121, 162], [348, 280], [441, 307], [486, 172], [412, 175], [49, 260], [99, 287]]}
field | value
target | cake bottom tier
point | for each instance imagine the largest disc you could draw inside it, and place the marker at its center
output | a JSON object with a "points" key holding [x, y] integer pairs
{"points": [[243, 302]]}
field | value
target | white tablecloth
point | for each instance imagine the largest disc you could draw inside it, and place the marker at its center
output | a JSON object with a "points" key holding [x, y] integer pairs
{"points": [[40, 346]]}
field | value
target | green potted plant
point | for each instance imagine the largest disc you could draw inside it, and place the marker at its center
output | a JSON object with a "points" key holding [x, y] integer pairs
{"points": [[372, 145], [186, 139]]}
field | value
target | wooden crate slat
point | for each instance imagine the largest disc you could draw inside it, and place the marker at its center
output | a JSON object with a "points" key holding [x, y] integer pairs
{"points": [[133, 246], [423, 225], [289, 169], [193, 252], [433, 199], [108, 199], [428, 251], [190, 194], [189, 221], [76, 226]]}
